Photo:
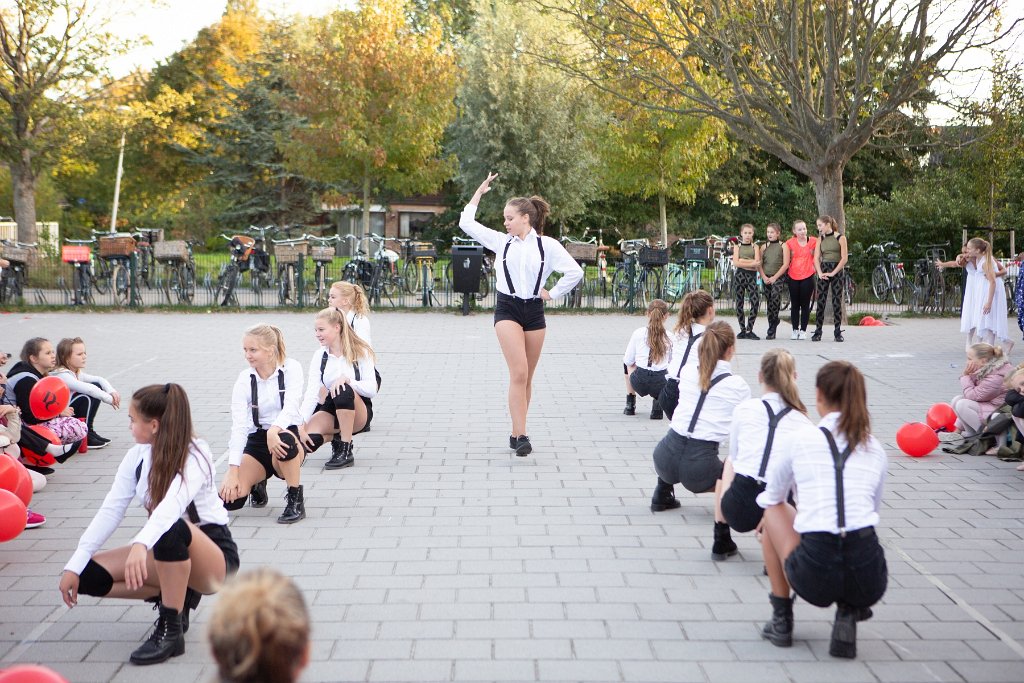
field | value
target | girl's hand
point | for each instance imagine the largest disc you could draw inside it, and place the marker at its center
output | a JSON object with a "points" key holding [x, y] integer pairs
{"points": [[68, 587], [68, 412], [338, 384], [971, 367], [545, 294], [938, 264], [135, 567], [229, 488], [115, 400], [275, 445], [987, 308], [485, 186], [7, 410], [304, 438]]}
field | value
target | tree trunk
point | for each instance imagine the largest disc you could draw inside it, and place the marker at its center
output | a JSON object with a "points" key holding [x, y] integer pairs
{"points": [[664, 219], [828, 191], [366, 206], [23, 185]]}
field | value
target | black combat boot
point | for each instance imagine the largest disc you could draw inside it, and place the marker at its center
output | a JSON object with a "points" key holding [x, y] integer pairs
{"points": [[664, 497], [341, 455], [723, 547], [630, 408], [295, 507], [780, 629], [258, 495], [168, 640], [656, 412]]}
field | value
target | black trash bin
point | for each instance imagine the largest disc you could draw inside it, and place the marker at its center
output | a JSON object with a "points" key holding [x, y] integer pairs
{"points": [[466, 264]]}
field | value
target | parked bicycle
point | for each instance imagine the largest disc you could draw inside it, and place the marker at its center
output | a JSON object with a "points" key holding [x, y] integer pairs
{"points": [[179, 265], [230, 277], [413, 251], [721, 253], [928, 289], [685, 275], [290, 254], [638, 280], [14, 278], [486, 268], [585, 252], [116, 249], [888, 278], [358, 270], [79, 254], [145, 261], [322, 251], [260, 274]]}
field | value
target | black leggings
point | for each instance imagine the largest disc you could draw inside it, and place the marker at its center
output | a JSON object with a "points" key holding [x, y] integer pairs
{"points": [[85, 406], [800, 294]]}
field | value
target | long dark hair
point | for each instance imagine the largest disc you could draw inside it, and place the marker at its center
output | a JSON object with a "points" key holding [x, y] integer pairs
{"points": [[168, 404], [718, 338], [657, 337], [842, 386], [695, 305], [535, 207]]}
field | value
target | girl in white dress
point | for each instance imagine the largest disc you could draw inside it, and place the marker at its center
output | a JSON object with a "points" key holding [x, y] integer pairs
{"points": [[983, 315]]}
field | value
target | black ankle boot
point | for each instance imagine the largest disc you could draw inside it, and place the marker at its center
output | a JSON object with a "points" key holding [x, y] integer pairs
{"points": [[780, 629], [839, 335], [295, 507], [656, 412], [341, 455], [770, 334], [630, 408], [723, 547], [167, 640], [258, 495], [192, 598], [817, 335], [844, 633], [664, 497]]}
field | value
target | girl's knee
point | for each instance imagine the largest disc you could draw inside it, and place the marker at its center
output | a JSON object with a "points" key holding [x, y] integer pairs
{"points": [[173, 545]]}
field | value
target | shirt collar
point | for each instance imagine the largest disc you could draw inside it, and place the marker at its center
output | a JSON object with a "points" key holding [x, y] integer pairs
{"points": [[722, 366], [532, 233], [830, 421]]}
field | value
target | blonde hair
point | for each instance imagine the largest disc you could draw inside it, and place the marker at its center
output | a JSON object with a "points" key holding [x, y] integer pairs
{"points": [[269, 337], [695, 305], [360, 304], [778, 371], [991, 358], [657, 337], [1017, 372], [718, 338], [988, 263], [352, 346], [259, 629]]}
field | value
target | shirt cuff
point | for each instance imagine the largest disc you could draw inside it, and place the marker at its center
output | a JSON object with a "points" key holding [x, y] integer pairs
{"points": [[78, 561]]}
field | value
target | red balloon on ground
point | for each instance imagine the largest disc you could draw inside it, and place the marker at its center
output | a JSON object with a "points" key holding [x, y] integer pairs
{"points": [[8, 473], [941, 416], [867, 321], [48, 398], [12, 516], [29, 673], [24, 489], [916, 439], [43, 459]]}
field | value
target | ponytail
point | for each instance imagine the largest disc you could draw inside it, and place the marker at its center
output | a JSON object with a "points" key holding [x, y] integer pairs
{"points": [[352, 346], [355, 291], [535, 207], [168, 404], [842, 387], [778, 372], [695, 305], [657, 337], [988, 264], [718, 339], [991, 357]]}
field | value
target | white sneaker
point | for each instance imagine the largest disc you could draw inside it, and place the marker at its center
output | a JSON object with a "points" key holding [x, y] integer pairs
{"points": [[795, 335], [803, 334]]}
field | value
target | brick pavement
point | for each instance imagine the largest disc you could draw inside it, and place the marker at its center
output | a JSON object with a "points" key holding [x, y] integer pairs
{"points": [[439, 557]]}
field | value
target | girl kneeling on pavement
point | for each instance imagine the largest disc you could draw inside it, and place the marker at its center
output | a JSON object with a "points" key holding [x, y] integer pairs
{"points": [[647, 356], [264, 436], [340, 389], [184, 549]]}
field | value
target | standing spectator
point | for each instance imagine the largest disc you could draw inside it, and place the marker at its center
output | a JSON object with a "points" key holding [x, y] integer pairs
{"points": [[801, 249], [774, 264]]}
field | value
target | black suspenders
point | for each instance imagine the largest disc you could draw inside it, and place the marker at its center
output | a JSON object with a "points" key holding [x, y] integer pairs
{"points": [[700, 401], [323, 364], [773, 422], [508, 276], [255, 400], [686, 354], [839, 460], [193, 514]]}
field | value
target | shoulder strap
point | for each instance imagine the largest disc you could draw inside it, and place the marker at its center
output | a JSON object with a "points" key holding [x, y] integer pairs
{"points": [[254, 400], [280, 385], [540, 273], [686, 355], [839, 460], [700, 401], [355, 370], [193, 514], [773, 423], [323, 364], [504, 265]]}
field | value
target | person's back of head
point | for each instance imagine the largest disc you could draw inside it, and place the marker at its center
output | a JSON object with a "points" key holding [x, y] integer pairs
{"points": [[259, 629]]}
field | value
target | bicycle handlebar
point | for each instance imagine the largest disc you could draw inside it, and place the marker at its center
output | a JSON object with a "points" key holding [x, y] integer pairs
{"points": [[291, 240], [71, 241], [573, 240], [323, 240]]}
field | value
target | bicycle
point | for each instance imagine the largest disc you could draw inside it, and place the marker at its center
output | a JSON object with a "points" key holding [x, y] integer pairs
{"points": [[383, 277], [79, 254], [116, 249], [486, 268], [638, 280], [322, 252], [358, 270], [412, 252], [289, 253], [928, 289], [585, 252], [230, 276], [721, 249], [260, 277], [888, 276], [684, 276], [145, 261], [14, 278], [179, 264]]}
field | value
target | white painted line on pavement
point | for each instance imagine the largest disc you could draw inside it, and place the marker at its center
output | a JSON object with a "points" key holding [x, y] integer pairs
{"points": [[28, 641], [131, 367]]}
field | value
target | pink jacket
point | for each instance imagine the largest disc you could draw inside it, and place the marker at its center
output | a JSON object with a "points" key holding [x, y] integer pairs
{"points": [[988, 392]]}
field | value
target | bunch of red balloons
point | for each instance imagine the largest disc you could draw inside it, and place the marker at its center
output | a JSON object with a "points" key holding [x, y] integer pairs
{"points": [[30, 673], [918, 439], [15, 495]]}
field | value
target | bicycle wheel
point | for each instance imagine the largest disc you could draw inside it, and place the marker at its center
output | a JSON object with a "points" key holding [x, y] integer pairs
{"points": [[849, 289], [101, 277], [485, 286], [284, 284], [412, 277], [187, 293], [173, 290], [651, 285], [784, 302], [226, 284], [119, 278], [899, 286], [620, 287], [676, 283], [939, 293], [879, 284]]}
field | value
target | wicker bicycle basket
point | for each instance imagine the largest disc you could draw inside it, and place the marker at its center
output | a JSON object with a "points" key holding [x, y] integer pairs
{"points": [[322, 254], [290, 253], [586, 252], [653, 257], [171, 250], [121, 245], [422, 250], [15, 254]]}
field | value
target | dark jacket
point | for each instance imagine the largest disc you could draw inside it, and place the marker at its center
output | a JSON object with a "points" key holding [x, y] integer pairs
{"points": [[23, 387]]}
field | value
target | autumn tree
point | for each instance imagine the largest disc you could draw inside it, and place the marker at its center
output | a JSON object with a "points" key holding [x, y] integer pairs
{"points": [[52, 53], [375, 97], [809, 82]]}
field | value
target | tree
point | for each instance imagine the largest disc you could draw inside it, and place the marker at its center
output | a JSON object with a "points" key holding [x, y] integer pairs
{"points": [[51, 54], [527, 122], [375, 97], [808, 82]]}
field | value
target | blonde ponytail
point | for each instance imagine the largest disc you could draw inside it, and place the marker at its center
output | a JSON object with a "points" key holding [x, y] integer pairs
{"points": [[657, 337], [778, 372]]}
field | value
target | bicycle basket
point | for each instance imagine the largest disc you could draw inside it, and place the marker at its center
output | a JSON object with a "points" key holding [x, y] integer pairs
{"points": [[322, 254], [120, 245], [172, 250], [582, 251], [633, 245], [290, 253], [74, 253], [653, 257], [695, 253], [417, 250], [17, 254]]}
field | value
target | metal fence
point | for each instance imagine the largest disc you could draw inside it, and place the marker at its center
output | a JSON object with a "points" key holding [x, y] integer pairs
{"points": [[872, 286]]}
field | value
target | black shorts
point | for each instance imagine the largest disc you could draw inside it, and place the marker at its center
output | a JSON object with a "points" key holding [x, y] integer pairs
{"points": [[691, 462], [648, 382], [826, 568], [321, 408], [220, 534], [739, 503], [528, 313], [256, 446]]}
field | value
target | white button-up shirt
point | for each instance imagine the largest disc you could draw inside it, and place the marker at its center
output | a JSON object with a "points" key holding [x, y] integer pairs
{"points": [[716, 415], [196, 486], [749, 433], [271, 413], [679, 349], [638, 352], [336, 367], [804, 460], [360, 324], [523, 259]]}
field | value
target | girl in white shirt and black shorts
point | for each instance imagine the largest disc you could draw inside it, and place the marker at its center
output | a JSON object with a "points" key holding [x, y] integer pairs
{"points": [[827, 549], [688, 454], [524, 260], [339, 390], [350, 299], [184, 549], [264, 433], [696, 312], [647, 356]]}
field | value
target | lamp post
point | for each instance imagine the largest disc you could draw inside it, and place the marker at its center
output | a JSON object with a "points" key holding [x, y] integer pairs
{"points": [[117, 184]]}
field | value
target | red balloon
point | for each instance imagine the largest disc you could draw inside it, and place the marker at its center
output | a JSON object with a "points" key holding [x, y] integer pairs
{"points": [[32, 457], [867, 321], [29, 673], [13, 516], [48, 398], [916, 439], [941, 416], [8, 473], [24, 488]]}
